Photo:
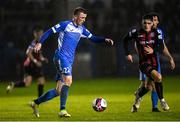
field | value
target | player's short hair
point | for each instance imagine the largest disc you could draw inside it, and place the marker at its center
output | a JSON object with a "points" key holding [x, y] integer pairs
{"points": [[147, 16], [154, 14], [79, 10]]}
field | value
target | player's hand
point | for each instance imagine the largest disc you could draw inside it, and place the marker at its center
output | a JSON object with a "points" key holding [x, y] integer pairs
{"points": [[172, 63], [37, 47], [45, 60], [129, 58], [109, 41], [148, 50], [38, 63]]}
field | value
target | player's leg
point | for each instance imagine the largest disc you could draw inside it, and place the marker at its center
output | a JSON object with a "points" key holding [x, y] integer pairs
{"points": [[154, 98], [154, 95], [146, 69], [28, 72], [63, 96], [151, 72], [46, 97], [38, 73], [142, 78], [41, 81], [51, 93], [137, 101], [25, 82], [64, 69], [159, 88]]}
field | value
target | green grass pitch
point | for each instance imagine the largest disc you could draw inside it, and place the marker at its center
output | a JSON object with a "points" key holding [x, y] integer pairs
{"points": [[117, 91]]}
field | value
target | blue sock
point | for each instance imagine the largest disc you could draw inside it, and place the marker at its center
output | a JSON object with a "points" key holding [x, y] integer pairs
{"points": [[154, 98], [64, 95], [47, 96]]}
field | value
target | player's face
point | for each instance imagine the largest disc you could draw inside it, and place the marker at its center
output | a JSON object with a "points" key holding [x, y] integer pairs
{"points": [[147, 25], [38, 34], [80, 18], [155, 21]]}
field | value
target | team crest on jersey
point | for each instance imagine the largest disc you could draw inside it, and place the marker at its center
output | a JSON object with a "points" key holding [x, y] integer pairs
{"points": [[57, 26], [147, 42]]}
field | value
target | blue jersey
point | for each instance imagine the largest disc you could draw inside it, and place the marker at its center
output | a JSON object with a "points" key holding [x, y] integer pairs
{"points": [[142, 76], [69, 36]]}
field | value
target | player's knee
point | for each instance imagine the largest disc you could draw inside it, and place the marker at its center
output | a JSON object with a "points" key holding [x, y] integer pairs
{"points": [[68, 81], [143, 83], [158, 78], [27, 83], [41, 80], [149, 87]]}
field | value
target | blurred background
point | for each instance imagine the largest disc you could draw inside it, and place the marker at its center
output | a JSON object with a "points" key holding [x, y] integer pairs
{"points": [[109, 18]]}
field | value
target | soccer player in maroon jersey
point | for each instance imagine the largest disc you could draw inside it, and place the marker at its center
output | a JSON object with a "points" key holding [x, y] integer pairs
{"points": [[142, 76], [32, 66], [148, 42]]}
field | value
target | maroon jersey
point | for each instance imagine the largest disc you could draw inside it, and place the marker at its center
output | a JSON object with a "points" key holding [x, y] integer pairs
{"points": [[37, 56], [142, 39]]}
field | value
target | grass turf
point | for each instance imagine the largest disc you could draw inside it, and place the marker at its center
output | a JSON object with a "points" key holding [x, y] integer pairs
{"points": [[117, 91]]}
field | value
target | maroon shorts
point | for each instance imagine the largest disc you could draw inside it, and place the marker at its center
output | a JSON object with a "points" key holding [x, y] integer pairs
{"points": [[33, 71], [147, 68]]}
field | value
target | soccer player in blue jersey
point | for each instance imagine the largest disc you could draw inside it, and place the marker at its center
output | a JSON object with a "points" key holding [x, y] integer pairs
{"points": [[142, 76], [32, 66], [70, 33]]}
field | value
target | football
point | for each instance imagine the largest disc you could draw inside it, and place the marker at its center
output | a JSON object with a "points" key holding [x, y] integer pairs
{"points": [[99, 104]]}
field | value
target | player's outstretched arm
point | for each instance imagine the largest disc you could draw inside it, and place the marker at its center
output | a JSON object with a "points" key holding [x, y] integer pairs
{"points": [[43, 38], [98, 39], [127, 38]]}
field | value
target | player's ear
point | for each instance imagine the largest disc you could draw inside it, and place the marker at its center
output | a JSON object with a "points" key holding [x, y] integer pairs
{"points": [[75, 16]]}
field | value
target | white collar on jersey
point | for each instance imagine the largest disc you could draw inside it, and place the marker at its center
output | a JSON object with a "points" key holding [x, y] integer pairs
{"points": [[74, 23]]}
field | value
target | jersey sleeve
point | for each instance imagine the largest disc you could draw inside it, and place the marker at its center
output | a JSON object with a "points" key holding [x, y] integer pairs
{"points": [[159, 47], [59, 27], [132, 33], [128, 37], [30, 47], [55, 29], [86, 33], [160, 32]]}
